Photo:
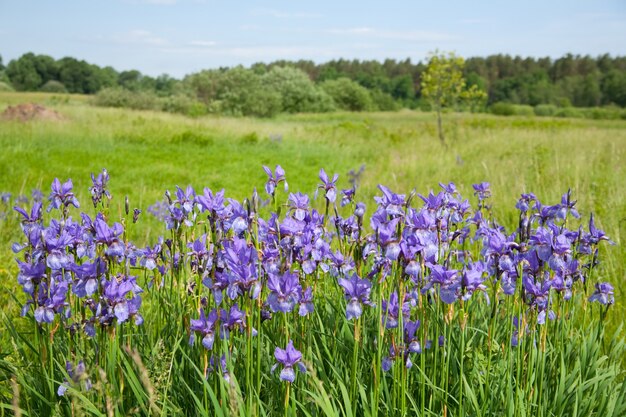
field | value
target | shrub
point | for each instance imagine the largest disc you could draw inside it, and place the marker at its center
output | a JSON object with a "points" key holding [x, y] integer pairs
{"points": [[5, 87], [348, 94], [383, 101], [545, 109], [569, 112], [298, 93], [183, 104], [523, 110], [502, 109], [53, 86], [119, 97]]}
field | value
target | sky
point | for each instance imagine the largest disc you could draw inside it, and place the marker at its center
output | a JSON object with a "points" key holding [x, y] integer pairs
{"points": [[179, 37]]}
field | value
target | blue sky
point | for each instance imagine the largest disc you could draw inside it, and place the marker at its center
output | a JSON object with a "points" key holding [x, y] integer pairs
{"points": [[183, 36]]}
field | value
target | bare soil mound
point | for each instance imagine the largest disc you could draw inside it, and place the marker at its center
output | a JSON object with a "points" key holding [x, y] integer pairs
{"points": [[30, 111]]}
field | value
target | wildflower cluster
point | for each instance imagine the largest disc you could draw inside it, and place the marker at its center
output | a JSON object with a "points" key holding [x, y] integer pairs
{"points": [[240, 279]]}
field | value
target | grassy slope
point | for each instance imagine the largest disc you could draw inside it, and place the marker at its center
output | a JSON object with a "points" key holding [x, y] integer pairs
{"points": [[147, 152]]}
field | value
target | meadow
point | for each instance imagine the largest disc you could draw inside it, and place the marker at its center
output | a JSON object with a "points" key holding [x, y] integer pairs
{"points": [[146, 153]]}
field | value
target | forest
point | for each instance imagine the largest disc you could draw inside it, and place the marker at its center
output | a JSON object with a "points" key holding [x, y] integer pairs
{"points": [[342, 84]]}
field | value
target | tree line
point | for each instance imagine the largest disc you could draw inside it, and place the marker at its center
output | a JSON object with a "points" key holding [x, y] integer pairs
{"points": [[263, 88]]}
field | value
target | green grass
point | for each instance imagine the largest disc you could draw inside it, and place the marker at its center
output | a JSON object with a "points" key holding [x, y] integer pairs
{"points": [[148, 152]]}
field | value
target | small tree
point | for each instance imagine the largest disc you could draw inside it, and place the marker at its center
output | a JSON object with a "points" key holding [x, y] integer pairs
{"points": [[443, 85]]}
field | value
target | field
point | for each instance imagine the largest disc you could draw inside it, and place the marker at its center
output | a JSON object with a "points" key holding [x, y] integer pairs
{"points": [[146, 153]]}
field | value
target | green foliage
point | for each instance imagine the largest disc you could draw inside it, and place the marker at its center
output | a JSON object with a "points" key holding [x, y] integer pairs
{"points": [[183, 104], [297, 91], [545, 110], [5, 87], [383, 101], [442, 83], [53, 86], [509, 109], [348, 94], [30, 71], [119, 97]]}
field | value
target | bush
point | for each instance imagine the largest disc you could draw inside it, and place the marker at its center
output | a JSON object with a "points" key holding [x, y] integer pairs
{"points": [[545, 110], [119, 97], [502, 109], [383, 101], [53, 86], [523, 110], [5, 87], [569, 112], [298, 93], [508, 109], [604, 113], [183, 104], [348, 94]]}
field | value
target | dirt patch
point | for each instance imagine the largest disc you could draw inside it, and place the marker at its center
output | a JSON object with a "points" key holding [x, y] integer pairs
{"points": [[30, 111]]}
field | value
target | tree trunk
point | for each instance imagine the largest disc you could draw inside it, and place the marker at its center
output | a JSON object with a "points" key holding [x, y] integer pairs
{"points": [[440, 127]]}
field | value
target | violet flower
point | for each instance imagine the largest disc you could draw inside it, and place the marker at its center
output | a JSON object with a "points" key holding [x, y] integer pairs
{"points": [[206, 326], [357, 292], [99, 187], [603, 294], [285, 292], [62, 195], [288, 358], [274, 178], [329, 186]]}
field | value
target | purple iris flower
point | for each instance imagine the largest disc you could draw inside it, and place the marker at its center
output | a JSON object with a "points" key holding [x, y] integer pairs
{"points": [[200, 257], [410, 328], [211, 203], [482, 190], [328, 186], [30, 275], [347, 196], [99, 187], [603, 294], [34, 218], [206, 326], [285, 292], [62, 195], [288, 358], [448, 281], [185, 198], [52, 301], [149, 256], [274, 178], [472, 280], [87, 276], [78, 377], [538, 296], [56, 242], [434, 202], [231, 320], [117, 304], [391, 310], [357, 292], [306, 302], [391, 202], [299, 205], [109, 236]]}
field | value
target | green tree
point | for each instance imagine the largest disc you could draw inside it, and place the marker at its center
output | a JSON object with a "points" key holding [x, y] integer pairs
{"points": [[29, 72], [298, 93], [348, 94], [443, 85]]}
